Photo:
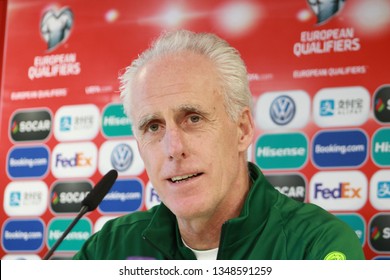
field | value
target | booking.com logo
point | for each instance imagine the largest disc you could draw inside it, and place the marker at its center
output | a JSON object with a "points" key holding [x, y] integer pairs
{"points": [[340, 148]]}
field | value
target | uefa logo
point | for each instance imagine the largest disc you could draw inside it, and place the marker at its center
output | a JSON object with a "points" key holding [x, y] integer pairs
{"points": [[56, 25], [325, 9]]}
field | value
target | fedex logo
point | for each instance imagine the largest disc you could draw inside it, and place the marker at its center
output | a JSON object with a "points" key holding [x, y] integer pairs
{"points": [[79, 159], [343, 190], [72, 160], [339, 190]]}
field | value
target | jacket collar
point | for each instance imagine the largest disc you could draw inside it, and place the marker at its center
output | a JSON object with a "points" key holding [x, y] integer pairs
{"points": [[163, 232]]}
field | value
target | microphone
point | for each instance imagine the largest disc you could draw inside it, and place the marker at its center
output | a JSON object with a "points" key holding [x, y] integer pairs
{"points": [[89, 203]]}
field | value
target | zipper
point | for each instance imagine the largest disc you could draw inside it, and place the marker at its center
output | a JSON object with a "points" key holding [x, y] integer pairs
{"points": [[222, 239]]}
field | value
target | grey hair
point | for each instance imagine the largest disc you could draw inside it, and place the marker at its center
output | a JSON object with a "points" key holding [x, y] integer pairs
{"points": [[227, 60]]}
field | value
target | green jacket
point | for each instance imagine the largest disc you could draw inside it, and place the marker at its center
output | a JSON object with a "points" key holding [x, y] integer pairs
{"points": [[270, 226]]}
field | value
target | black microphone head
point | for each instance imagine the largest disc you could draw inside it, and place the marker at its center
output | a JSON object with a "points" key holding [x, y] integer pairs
{"points": [[96, 195]]}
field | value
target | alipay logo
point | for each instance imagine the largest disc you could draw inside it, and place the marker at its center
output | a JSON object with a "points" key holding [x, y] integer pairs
{"points": [[65, 123], [327, 107], [76, 122], [342, 106], [26, 198], [380, 190]]}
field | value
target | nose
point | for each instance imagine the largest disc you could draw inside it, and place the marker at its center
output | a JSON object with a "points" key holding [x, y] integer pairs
{"points": [[174, 144]]}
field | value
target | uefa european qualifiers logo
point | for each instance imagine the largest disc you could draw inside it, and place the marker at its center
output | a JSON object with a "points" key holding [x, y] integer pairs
{"points": [[30, 125], [379, 227], [325, 9], [282, 110], [382, 104], [21, 235], [339, 190], [347, 148], [56, 25]]}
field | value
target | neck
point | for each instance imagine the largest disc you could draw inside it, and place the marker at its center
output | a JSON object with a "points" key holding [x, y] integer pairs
{"points": [[204, 232]]}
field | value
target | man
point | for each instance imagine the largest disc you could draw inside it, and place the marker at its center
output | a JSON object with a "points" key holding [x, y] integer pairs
{"points": [[189, 102]]}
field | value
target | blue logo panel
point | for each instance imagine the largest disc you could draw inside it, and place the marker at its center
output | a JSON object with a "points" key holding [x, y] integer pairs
{"points": [[28, 162], [23, 235], [340, 148], [124, 196]]}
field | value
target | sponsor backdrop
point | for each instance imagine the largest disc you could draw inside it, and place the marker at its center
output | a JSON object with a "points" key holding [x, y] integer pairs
{"points": [[319, 76]]}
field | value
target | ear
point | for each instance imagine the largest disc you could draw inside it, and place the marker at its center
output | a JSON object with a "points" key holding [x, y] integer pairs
{"points": [[246, 130]]}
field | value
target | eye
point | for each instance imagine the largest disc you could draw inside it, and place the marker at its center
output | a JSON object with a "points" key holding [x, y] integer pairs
{"points": [[153, 127], [194, 118]]}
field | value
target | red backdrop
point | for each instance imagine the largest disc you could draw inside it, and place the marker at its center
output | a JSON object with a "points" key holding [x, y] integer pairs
{"points": [[287, 52]]}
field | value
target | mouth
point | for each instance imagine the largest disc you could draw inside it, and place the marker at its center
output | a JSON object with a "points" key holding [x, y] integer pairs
{"points": [[183, 178]]}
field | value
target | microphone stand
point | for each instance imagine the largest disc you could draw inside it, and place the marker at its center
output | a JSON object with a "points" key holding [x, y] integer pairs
{"points": [[84, 209]]}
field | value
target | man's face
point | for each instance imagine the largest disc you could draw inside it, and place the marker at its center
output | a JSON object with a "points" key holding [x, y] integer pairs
{"points": [[190, 146]]}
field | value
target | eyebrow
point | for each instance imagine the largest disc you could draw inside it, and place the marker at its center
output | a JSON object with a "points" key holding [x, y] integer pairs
{"points": [[146, 119], [184, 108]]}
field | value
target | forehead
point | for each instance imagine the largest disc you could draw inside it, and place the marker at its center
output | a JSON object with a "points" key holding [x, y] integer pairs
{"points": [[173, 80]]}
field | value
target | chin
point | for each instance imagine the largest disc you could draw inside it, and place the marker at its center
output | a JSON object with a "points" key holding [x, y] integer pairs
{"points": [[187, 210]]}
